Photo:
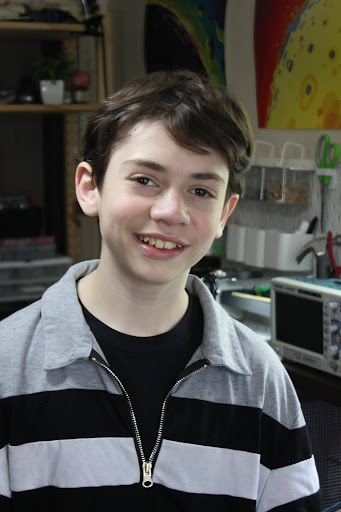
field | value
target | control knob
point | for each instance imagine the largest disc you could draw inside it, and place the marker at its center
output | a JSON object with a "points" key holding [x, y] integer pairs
{"points": [[333, 306], [333, 352]]}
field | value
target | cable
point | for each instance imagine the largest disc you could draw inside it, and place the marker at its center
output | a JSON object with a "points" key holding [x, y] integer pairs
{"points": [[332, 506]]}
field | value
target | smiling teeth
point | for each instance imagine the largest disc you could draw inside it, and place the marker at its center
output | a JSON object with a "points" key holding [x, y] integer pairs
{"points": [[159, 244]]}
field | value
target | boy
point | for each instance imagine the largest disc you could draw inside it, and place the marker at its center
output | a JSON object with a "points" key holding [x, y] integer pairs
{"points": [[127, 386]]}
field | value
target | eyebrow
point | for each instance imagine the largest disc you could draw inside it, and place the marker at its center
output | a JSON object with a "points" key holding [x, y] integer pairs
{"points": [[146, 163], [207, 175]]}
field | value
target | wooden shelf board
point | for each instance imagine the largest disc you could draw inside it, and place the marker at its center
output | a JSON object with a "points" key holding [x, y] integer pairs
{"points": [[39, 29], [40, 108]]}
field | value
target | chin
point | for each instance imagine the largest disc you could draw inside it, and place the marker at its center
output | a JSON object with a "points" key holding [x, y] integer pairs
{"points": [[159, 278]]}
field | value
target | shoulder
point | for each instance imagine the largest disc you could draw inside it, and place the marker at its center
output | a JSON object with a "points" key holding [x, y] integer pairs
{"points": [[258, 352], [246, 362], [17, 333], [232, 334], [20, 322], [270, 379], [232, 338], [17, 330]]}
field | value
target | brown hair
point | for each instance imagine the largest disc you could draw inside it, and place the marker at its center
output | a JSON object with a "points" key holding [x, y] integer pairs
{"points": [[198, 114]]}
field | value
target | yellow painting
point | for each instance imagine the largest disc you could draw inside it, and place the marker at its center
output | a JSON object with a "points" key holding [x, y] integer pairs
{"points": [[305, 88]]}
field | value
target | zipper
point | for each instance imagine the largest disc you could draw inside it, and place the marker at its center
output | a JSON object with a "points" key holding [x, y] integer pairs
{"points": [[147, 466]]}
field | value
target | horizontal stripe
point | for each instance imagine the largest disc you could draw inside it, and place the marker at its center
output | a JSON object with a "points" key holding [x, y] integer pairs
{"points": [[67, 414], [203, 469], [289, 484], [42, 417], [6, 504], [213, 384], [220, 386], [73, 463], [125, 499], [211, 424], [235, 427], [4, 474], [310, 503], [75, 468], [4, 424], [281, 446]]}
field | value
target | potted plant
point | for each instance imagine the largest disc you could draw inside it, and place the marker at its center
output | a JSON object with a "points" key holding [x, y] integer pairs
{"points": [[51, 73], [80, 82]]}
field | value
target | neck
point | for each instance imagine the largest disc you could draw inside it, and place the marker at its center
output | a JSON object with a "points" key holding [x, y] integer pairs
{"points": [[131, 308]]}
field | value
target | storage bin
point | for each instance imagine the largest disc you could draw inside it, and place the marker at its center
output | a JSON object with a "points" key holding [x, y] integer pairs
{"points": [[254, 187], [254, 247], [281, 250], [235, 242], [38, 270], [288, 186]]}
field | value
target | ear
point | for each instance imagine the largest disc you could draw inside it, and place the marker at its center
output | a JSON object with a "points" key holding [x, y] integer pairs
{"points": [[227, 210], [86, 190]]}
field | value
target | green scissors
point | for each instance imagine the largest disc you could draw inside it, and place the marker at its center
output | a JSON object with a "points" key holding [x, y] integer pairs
{"points": [[326, 157], [324, 151]]}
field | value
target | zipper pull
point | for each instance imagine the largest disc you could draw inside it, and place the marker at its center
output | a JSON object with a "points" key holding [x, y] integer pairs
{"points": [[147, 474]]}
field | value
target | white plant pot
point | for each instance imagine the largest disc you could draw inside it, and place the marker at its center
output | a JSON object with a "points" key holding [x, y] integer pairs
{"points": [[52, 93]]}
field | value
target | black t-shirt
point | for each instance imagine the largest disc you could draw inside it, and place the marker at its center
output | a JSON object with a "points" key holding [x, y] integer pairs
{"points": [[149, 366]]}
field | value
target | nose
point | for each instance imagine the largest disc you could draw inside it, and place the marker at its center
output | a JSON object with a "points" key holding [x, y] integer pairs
{"points": [[170, 207]]}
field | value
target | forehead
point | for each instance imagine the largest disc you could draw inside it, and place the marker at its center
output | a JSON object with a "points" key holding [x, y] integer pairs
{"points": [[151, 140]]}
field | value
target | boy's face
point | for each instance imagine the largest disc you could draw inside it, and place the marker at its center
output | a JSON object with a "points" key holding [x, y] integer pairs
{"points": [[160, 206]]}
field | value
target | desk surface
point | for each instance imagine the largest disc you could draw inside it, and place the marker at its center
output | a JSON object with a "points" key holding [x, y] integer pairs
{"points": [[313, 383]]}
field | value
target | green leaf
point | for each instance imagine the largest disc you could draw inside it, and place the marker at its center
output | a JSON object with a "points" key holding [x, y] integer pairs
{"points": [[53, 68]]}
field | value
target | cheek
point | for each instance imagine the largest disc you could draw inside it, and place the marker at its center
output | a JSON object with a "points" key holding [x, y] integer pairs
{"points": [[116, 215], [208, 223]]}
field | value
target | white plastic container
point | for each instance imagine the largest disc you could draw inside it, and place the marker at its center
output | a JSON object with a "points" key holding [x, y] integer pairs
{"points": [[281, 250], [235, 242], [254, 247]]}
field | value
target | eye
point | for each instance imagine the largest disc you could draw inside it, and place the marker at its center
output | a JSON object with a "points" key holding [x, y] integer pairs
{"points": [[142, 180], [201, 192]]}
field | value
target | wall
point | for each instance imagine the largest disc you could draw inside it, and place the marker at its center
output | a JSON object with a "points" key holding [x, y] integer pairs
{"points": [[128, 24]]}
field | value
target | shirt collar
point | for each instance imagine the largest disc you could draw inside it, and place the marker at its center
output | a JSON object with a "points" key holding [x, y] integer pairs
{"points": [[67, 336], [221, 344]]}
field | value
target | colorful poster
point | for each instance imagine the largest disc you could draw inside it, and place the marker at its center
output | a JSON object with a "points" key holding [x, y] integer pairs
{"points": [[298, 63], [186, 34]]}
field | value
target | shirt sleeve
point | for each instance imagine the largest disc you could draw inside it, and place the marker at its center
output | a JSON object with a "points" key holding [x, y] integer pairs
{"points": [[5, 492], [289, 477]]}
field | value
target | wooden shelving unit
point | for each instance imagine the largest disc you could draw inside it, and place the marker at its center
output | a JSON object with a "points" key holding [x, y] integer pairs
{"points": [[68, 33]]}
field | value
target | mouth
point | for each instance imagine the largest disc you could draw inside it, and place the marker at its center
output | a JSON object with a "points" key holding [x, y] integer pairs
{"points": [[160, 244]]}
